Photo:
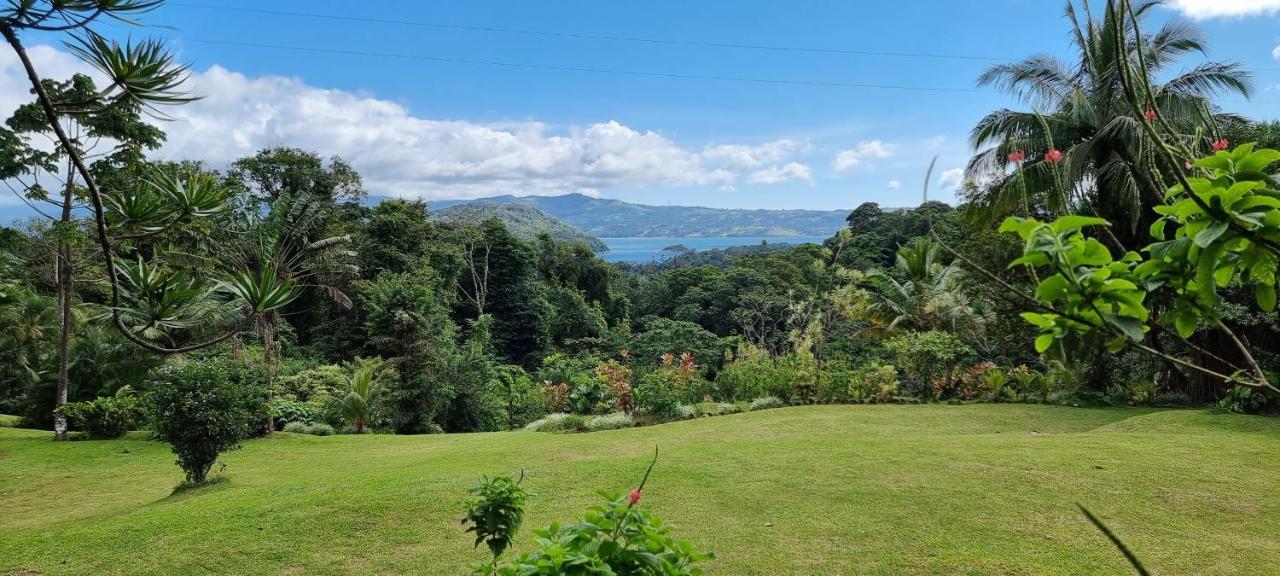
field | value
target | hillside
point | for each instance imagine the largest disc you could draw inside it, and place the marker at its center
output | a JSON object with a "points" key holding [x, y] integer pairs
{"points": [[523, 220], [606, 218], [872, 489]]}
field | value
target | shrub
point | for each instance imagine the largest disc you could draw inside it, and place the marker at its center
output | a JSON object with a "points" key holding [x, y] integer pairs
{"points": [[203, 409], [617, 378], [874, 380], [106, 417], [296, 427], [519, 398], [1249, 400], [495, 512], [314, 384], [752, 374], [929, 360], [766, 403], [556, 395], [1031, 383], [559, 422], [614, 421], [322, 430], [1171, 399], [656, 397], [286, 411]]}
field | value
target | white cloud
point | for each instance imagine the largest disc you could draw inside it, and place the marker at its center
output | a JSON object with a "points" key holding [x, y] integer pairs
{"points": [[951, 179], [856, 156], [744, 156], [1276, 53], [895, 184], [1202, 9], [401, 154], [776, 174]]}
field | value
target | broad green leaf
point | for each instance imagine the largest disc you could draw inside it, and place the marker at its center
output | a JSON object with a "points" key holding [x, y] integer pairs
{"points": [[1210, 234], [1157, 228], [1130, 327], [1072, 222], [1044, 321], [1258, 160], [1185, 322], [1266, 295], [1043, 342]]}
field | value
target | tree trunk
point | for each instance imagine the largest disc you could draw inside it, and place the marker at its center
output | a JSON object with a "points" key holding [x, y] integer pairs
{"points": [[65, 294], [268, 364]]}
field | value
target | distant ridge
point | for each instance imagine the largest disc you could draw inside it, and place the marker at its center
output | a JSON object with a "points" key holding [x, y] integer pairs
{"points": [[522, 220], [607, 218]]}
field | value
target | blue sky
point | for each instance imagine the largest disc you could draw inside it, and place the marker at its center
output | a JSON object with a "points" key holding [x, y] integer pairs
{"points": [[450, 129]]}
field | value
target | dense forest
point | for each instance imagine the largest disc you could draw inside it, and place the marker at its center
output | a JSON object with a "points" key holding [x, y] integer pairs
{"points": [[276, 272]]}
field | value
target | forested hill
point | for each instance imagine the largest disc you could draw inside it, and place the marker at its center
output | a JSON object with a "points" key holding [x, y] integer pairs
{"points": [[605, 218], [522, 220]]}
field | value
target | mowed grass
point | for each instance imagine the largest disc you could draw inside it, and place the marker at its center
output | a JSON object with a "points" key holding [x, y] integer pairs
{"points": [[982, 489]]}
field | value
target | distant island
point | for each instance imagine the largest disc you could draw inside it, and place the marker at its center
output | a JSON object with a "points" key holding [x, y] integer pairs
{"points": [[606, 218]]}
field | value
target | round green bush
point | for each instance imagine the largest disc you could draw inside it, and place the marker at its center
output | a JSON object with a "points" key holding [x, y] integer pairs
{"points": [[203, 409]]}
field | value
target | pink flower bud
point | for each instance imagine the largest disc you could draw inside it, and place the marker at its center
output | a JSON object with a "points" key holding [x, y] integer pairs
{"points": [[1052, 156], [635, 496]]}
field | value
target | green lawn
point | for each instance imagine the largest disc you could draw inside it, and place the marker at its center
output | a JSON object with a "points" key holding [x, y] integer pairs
{"points": [[982, 489]]}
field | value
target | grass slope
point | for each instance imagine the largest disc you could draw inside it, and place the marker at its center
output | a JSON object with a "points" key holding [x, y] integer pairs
{"points": [[818, 490]]}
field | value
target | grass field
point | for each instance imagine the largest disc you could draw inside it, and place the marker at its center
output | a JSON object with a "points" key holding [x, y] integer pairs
{"points": [[983, 489]]}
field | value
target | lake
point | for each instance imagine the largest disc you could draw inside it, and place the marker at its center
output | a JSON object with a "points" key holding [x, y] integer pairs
{"points": [[650, 249]]}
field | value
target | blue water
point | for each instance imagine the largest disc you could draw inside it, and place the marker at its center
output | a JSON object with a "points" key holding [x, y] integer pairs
{"points": [[650, 249]]}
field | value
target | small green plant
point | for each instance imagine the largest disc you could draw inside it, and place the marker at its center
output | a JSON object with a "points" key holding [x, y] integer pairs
{"points": [[616, 538], [356, 402], [495, 512]]}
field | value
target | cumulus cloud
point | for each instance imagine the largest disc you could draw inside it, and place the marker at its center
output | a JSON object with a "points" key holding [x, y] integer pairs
{"points": [[402, 154], [776, 174], [1276, 53], [951, 179], [859, 154], [895, 184], [1203, 9]]}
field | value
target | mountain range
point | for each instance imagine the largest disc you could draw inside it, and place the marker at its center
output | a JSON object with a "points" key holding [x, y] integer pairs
{"points": [[607, 218]]}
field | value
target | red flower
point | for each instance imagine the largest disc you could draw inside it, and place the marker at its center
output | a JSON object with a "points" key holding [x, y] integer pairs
{"points": [[1220, 144], [1017, 156], [1150, 115], [1052, 156], [635, 496]]}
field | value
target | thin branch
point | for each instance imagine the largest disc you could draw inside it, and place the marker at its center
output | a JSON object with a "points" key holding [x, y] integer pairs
{"points": [[95, 196]]}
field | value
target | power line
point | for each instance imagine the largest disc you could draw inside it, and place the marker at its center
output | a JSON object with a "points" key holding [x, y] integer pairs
{"points": [[561, 68], [614, 72], [607, 37], [582, 36]]}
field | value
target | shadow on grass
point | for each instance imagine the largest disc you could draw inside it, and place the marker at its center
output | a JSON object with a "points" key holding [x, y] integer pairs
{"points": [[188, 489]]}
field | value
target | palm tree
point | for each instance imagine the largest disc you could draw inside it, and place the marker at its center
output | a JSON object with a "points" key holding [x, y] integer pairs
{"points": [[920, 293], [356, 405], [274, 259], [1079, 108]]}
